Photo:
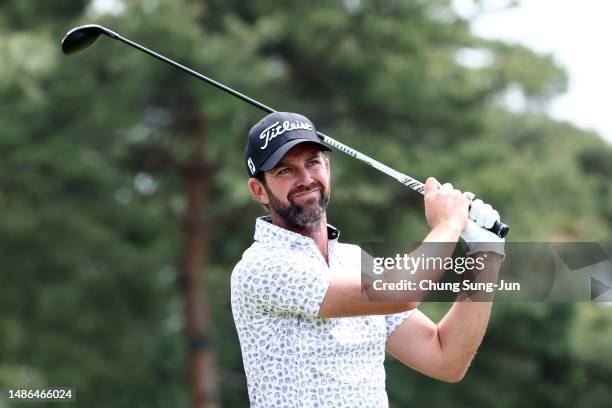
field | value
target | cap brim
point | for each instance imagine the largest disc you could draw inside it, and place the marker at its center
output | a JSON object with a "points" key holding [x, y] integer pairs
{"points": [[279, 153]]}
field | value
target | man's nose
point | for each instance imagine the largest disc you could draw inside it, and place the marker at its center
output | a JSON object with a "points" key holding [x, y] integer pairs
{"points": [[304, 178]]}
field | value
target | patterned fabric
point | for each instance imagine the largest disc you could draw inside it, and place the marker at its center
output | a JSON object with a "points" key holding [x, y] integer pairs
{"points": [[292, 358]]}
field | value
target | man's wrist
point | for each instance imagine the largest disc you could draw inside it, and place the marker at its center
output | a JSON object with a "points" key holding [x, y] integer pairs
{"points": [[451, 227]]}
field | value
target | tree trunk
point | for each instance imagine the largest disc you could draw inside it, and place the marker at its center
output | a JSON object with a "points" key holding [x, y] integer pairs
{"points": [[201, 360]]}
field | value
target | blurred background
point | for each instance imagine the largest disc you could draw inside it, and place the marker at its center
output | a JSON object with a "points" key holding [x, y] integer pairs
{"points": [[123, 199]]}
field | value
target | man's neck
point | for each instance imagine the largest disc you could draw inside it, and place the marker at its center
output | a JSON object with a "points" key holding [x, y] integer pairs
{"points": [[318, 232]]}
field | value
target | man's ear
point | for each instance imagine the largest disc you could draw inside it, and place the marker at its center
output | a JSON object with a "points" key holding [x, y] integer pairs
{"points": [[258, 191]]}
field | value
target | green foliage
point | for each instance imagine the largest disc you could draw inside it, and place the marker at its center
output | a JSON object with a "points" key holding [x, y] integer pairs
{"points": [[91, 194]]}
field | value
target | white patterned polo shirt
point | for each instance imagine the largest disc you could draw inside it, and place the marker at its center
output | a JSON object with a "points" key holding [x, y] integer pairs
{"points": [[292, 358]]}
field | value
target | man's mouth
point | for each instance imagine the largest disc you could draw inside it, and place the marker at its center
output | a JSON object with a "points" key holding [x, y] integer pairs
{"points": [[306, 194]]}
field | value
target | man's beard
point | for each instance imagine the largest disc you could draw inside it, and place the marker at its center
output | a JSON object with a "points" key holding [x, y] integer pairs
{"points": [[297, 215]]}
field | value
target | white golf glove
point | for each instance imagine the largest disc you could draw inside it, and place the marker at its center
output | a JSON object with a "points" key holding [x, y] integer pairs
{"points": [[477, 238]]}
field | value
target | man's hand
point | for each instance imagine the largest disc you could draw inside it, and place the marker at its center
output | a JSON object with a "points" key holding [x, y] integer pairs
{"points": [[445, 206], [478, 238]]}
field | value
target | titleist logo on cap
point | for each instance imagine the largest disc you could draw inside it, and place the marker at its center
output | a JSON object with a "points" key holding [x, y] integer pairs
{"points": [[276, 129]]}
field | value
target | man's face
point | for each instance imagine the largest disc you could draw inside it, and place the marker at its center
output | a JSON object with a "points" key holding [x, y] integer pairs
{"points": [[298, 187]]}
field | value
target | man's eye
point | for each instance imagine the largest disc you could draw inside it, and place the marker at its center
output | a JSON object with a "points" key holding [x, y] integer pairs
{"points": [[286, 170], [314, 162]]}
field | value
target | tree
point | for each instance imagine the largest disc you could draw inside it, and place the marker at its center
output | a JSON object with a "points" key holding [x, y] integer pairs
{"points": [[98, 150]]}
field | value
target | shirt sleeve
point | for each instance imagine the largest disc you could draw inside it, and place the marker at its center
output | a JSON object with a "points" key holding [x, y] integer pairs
{"points": [[393, 321], [278, 287]]}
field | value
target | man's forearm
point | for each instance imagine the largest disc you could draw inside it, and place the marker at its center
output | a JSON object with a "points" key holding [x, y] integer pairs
{"points": [[439, 243], [461, 330]]}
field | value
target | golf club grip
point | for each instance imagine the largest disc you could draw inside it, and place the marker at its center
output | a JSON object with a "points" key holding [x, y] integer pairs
{"points": [[500, 229]]}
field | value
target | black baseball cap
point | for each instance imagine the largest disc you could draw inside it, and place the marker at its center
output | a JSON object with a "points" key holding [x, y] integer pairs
{"points": [[273, 136]]}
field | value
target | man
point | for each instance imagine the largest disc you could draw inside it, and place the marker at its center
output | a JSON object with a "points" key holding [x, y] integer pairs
{"points": [[308, 337]]}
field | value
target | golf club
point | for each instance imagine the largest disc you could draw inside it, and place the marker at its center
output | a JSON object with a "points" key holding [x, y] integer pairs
{"points": [[82, 37]]}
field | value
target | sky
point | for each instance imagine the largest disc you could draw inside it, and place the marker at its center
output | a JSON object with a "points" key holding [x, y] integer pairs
{"points": [[577, 33]]}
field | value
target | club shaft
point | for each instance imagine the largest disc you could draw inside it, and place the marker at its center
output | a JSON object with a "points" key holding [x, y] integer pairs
{"points": [[498, 228], [402, 178], [193, 73]]}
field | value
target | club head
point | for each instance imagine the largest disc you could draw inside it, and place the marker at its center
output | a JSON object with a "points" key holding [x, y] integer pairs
{"points": [[81, 37]]}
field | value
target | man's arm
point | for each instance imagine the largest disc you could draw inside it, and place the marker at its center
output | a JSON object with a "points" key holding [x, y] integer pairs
{"points": [[446, 211], [344, 297], [444, 351]]}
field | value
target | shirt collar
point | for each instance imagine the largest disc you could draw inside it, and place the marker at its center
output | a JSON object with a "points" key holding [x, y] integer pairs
{"points": [[266, 232]]}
